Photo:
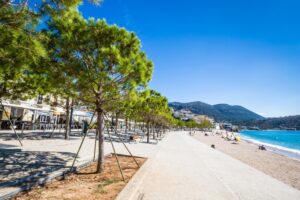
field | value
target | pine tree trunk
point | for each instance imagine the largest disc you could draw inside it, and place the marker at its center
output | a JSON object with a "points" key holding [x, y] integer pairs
{"points": [[112, 124], [153, 131], [100, 125], [67, 118], [126, 125], [129, 125], [117, 123], [148, 132], [71, 117]]}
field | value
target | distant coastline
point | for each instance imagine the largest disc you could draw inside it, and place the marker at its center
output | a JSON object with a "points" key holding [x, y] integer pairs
{"points": [[291, 153], [276, 142], [238, 115]]}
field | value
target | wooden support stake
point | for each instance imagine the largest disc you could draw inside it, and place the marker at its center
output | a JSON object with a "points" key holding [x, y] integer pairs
{"points": [[52, 132], [81, 143], [125, 146], [95, 145], [116, 156]]}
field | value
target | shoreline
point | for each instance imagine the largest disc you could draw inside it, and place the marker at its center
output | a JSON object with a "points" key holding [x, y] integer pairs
{"points": [[284, 151], [281, 167]]}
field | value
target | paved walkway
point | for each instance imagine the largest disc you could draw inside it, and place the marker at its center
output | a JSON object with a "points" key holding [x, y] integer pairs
{"points": [[49, 157], [186, 169]]}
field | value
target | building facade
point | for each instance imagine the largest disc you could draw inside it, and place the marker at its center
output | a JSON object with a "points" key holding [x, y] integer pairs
{"points": [[39, 113]]}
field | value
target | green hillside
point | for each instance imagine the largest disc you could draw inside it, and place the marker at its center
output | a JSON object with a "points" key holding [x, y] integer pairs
{"points": [[220, 112]]}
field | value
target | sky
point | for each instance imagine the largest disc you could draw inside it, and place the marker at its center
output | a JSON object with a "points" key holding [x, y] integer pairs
{"points": [[217, 51]]}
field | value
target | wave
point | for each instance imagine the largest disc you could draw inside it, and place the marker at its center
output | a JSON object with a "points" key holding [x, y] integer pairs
{"points": [[293, 153]]}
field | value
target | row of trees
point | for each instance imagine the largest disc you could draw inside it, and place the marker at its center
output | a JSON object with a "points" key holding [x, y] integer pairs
{"points": [[205, 124], [76, 59], [88, 61]]}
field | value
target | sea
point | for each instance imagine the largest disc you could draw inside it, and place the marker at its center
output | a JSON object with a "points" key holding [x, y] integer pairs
{"points": [[279, 141]]}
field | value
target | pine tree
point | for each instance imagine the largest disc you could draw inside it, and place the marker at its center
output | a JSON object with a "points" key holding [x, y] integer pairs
{"points": [[105, 61]]}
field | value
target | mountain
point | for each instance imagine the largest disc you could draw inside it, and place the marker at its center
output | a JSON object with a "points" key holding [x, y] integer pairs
{"points": [[220, 112], [288, 122], [237, 113]]}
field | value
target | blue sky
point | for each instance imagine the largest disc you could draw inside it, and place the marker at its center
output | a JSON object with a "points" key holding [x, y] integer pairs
{"points": [[217, 51]]}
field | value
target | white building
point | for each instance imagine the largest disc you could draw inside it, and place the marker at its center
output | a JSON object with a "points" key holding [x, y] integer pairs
{"points": [[37, 113]]}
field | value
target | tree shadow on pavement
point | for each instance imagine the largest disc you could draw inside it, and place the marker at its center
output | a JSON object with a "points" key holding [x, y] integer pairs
{"points": [[19, 168], [39, 135], [3, 146]]}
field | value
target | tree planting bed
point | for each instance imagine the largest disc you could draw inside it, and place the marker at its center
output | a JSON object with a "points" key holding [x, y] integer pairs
{"points": [[86, 184]]}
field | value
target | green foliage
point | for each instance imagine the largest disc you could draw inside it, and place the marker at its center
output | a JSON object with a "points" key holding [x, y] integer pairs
{"points": [[21, 52], [63, 18], [191, 124], [205, 124], [105, 62], [153, 108]]}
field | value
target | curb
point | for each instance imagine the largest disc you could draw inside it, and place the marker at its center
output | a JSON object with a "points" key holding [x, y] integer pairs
{"points": [[131, 190], [132, 187]]}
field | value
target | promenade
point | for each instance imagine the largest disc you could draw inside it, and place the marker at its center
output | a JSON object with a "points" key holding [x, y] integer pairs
{"points": [[178, 167], [41, 158], [185, 168]]}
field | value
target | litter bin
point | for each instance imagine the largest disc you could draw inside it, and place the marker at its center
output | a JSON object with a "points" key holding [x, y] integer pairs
{"points": [[85, 127]]}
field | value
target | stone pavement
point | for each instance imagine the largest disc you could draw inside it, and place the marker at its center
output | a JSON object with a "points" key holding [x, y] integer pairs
{"points": [[186, 169], [42, 158]]}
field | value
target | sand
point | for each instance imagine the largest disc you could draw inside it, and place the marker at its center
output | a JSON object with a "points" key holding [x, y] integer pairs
{"points": [[278, 166]]}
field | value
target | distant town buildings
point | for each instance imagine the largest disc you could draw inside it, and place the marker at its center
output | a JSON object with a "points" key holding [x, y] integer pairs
{"points": [[186, 115], [200, 118]]}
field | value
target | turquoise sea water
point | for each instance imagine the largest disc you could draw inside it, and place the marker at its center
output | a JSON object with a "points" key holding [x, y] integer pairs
{"points": [[285, 139]]}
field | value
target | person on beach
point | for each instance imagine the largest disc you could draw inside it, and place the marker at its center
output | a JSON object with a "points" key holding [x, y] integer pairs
{"points": [[237, 138]]}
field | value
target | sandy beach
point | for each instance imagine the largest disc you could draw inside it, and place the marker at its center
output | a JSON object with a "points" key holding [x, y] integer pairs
{"points": [[278, 166], [185, 168]]}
